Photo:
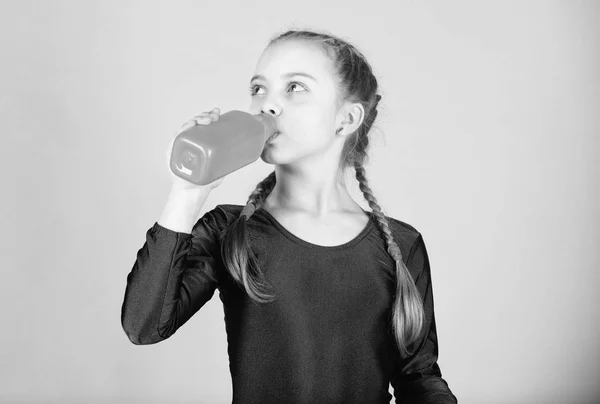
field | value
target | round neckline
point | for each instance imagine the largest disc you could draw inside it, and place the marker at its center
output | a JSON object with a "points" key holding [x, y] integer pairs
{"points": [[305, 243]]}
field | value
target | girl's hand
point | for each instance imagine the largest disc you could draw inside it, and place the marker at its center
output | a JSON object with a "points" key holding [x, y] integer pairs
{"points": [[204, 118]]}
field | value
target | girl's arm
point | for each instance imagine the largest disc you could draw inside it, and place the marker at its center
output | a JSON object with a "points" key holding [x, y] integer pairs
{"points": [[174, 275], [417, 379]]}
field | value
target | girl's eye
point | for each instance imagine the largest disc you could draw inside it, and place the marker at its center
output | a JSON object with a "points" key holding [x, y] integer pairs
{"points": [[294, 84], [253, 87]]}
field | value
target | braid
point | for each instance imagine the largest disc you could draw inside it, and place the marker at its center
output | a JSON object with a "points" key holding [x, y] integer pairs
{"points": [[370, 118], [393, 248], [258, 196], [238, 258], [408, 303]]}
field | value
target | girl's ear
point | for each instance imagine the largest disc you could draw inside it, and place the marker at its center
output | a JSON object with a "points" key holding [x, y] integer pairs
{"points": [[353, 118]]}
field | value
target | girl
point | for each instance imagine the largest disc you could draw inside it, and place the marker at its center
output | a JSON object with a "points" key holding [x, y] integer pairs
{"points": [[324, 302]]}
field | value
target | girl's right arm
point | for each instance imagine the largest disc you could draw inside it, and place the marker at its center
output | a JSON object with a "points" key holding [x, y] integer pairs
{"points": [[174, 274]]}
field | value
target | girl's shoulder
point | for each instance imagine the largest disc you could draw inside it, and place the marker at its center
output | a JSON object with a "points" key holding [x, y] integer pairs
{"points": [[224, 214], [229, 209], [216, 220], [401, 226], [405, 234]]}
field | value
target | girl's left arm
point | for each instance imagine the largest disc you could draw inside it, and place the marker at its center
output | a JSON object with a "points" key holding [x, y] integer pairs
{"points": [[417, 378]]}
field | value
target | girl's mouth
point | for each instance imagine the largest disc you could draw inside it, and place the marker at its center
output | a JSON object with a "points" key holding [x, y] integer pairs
{"points": [[273, 136]]}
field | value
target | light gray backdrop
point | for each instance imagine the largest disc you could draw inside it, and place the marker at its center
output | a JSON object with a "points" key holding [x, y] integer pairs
{"points": [[486, 142]]}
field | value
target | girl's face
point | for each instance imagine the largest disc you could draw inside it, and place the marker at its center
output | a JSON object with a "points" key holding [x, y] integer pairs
{"points": [[296, 86]]}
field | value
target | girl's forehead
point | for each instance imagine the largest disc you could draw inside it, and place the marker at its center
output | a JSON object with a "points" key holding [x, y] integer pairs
{"points": [[292, 56]]}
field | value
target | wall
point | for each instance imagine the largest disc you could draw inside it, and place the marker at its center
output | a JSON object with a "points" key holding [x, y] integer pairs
{"points": [[486, 142]]}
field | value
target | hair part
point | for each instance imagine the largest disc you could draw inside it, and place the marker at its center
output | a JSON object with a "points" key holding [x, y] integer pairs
{"points": [[355, 83]]}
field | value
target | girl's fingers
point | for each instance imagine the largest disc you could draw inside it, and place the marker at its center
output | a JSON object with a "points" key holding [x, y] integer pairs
{"points": [[195, 120], [202, 118], [187, 125], [214, 114]]}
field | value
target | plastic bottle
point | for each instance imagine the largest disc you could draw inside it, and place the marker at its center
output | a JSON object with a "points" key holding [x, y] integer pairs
{"points": [[204, 153]]}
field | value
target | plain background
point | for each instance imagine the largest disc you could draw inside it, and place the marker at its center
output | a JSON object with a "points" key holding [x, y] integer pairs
{"points": [[486, 142]]}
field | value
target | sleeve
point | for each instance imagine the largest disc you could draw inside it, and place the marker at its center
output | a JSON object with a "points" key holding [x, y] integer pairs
{"points": [[174, 275], [417, 379]]}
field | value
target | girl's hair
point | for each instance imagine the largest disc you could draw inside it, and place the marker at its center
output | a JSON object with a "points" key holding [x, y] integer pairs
{"points": [[356, 83]]}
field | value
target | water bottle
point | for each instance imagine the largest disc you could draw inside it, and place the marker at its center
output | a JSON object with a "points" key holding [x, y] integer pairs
{"points": [[205, 153]]}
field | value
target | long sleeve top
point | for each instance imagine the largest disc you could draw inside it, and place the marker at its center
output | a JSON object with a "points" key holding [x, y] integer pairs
{"points": [[326, 338]]}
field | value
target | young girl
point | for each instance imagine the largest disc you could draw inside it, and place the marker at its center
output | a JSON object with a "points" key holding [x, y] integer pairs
{"points": [[324, 302]]}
